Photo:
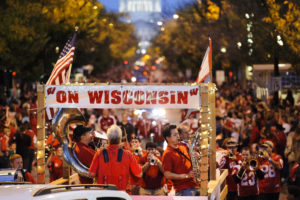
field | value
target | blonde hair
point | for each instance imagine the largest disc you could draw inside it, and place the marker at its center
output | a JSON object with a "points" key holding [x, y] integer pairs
{"points": [[13, 157]]}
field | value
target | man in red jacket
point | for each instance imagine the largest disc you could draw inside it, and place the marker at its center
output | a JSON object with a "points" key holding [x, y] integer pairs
{"points": [[84, 152], [112, 165]]}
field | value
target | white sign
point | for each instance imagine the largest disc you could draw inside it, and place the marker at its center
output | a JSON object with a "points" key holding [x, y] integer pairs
{"points": [[122, 96]]}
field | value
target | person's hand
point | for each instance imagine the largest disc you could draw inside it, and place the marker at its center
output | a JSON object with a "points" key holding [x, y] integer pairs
{"points": [[149, 156], [192, 174], [266, 155], [157, 153]]}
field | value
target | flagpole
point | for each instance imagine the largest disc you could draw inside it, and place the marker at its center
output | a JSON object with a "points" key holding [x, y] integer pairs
{"points": [[70, 68], [210, 61]]}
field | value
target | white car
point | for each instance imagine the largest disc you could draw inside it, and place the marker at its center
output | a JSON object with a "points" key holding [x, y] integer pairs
{"points": [[62, 192]]}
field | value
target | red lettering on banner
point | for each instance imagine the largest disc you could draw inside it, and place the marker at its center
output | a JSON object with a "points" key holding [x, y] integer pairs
{"points": [[172, 97], [151, 97], [182, 97], [163, 97], [106, 92], [116, 97], [139, 97], [95, 95], [51, 90], [194, 91], [127, 97], [61, 97], [72, 97]]}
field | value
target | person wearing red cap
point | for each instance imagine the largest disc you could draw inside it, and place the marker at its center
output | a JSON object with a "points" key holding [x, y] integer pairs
{"points": [[271, 164], [113, 165], [85, 154]]}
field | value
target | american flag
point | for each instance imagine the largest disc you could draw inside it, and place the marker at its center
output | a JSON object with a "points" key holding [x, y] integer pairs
{"points": [[62, 68], [206, 66]]}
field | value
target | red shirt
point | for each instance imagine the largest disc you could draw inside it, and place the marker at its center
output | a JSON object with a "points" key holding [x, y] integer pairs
{"points": [[157, 130], [56, 168], [271, 182], [254, 135], [248, 185], [114, 172], [52, 141], [133, 179], [143, 126], [233, 167], [85, 155], [29, 177], [105, 123], [3, 141], [176, 163], [152, 178]]}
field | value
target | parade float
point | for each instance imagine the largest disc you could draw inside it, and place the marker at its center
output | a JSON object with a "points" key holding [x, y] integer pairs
{"points": [[68, 98]]}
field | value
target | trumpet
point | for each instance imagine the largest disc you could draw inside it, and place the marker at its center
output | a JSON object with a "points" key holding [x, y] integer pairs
{"points": [[136, 151], [253, 164], [261, 154]]}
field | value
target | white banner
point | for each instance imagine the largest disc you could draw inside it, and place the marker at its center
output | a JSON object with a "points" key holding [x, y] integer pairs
{"points": [[122, 96]]}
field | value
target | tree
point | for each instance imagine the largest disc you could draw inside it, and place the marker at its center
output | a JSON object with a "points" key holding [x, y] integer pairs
{"points": [[32, 30], [242, 33], [285, 16]]}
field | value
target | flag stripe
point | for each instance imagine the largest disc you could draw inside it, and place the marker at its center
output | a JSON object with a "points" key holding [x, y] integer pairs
{"points": [[58, 67], [59, 74]]}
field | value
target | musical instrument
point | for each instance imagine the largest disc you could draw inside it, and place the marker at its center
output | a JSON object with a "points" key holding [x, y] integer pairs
{"points": [[193, 142], [60, 123]]}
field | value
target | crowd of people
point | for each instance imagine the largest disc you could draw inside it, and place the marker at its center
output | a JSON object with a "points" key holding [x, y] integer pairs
{"points": [[258, 142]]}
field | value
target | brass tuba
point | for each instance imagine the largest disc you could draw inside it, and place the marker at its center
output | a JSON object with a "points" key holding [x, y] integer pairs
{"points": [[60, 123]]}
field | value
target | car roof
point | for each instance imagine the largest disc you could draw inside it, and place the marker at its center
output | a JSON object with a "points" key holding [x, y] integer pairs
{"points": [[64, 192]]}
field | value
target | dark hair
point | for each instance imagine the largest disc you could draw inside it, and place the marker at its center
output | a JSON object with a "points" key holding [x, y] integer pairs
{"points": [[246, 149], [135, 138], [167, 131], [150, 145], [79, 131]]}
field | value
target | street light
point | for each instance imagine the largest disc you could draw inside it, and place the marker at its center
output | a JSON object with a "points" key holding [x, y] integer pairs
{"points": [[279, 40], [175, 16], [223, 49], [57, 49]]}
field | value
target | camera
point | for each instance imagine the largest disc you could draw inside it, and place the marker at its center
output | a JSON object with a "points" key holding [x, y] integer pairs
{"points": [[152, 161], [136, 151]]}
